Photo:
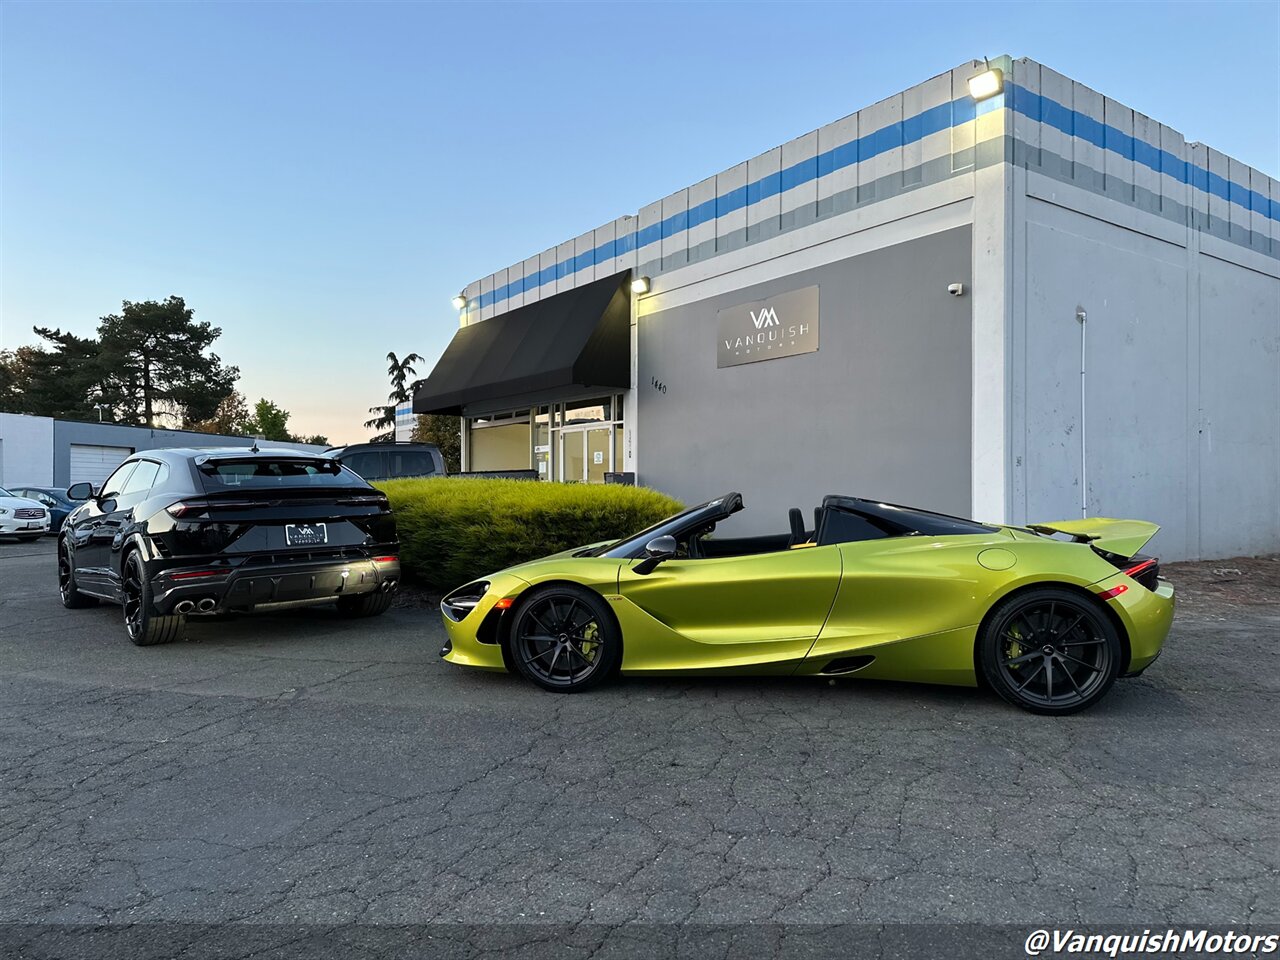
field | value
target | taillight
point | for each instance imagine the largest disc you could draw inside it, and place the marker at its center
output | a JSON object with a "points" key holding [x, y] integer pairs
{"points": [[386, 559], [1114, 591], [184, 509], [196, 574]]}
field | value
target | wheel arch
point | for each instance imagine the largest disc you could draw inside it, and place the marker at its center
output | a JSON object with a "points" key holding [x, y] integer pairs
{"points": [[1087, 595], [534, 588]]}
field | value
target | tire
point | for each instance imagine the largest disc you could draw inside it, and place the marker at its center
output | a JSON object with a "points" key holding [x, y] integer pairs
{"points": [[72, 598], [144, 626], [564, 638], [366, 604], [1050, 651]]}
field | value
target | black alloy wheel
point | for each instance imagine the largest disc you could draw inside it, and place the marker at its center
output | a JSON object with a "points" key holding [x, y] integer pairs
{"points": [[146, 628], [564, 639], [1050, 651], [71, 597]]}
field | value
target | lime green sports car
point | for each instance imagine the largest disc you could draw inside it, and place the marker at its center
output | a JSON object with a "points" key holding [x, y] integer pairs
{"points": [[1048, 615]]}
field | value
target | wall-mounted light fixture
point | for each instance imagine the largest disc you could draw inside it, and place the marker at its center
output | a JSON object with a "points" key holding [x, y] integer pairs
{"points": [[640, 285], [987, 83], [459, 301]]}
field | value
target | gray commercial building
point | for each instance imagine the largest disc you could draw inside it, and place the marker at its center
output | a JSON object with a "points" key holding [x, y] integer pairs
{"points": [[998, 293], [44, 452]]}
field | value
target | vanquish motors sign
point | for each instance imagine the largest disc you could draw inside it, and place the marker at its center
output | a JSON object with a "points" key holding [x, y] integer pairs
{"points": [[780, 326]]}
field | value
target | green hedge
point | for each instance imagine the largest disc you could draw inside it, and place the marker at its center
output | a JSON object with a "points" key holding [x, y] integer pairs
{"points": [[454, 529]]}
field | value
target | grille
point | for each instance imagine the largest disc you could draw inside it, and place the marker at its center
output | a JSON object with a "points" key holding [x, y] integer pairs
{"points": [[29, 513]]}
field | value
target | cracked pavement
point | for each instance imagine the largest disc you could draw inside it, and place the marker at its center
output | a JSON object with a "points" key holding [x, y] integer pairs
{"points": [[299, 768]]}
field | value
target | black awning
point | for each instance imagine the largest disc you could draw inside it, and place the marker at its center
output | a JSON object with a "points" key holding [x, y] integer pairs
{"points": [[580, 338]]}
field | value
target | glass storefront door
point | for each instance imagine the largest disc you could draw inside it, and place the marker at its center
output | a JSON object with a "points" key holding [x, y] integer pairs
{"points": [[586, 453]]}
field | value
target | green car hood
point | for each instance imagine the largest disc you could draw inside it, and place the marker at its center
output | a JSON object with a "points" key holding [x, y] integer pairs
{"points": [[562, 555], [1122, 537]]}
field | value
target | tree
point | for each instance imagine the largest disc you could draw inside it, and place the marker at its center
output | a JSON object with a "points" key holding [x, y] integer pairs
{"points": [[57, 380], [230, 417], [385, 415], [154, 362], [446, 433], [269, 421]]}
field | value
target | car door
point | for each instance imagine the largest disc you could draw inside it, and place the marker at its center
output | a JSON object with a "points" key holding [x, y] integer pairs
{"points": [[117, 521], [91, 543], [740, 611]]}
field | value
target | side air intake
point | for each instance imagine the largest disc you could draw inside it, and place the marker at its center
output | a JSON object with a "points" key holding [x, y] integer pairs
{"points": [[847, 665]]}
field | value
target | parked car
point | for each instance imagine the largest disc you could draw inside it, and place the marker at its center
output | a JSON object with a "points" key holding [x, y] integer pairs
{"points": [[22, 517], [388, 461], [175, 533], [53, 499], [875, 590]]}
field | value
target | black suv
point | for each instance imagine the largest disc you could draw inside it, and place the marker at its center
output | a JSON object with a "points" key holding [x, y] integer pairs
{"points": [[388, 461], [173, 533]]}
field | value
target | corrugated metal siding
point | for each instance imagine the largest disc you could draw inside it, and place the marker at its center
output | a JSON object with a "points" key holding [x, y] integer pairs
{"points": [[931, 132]]}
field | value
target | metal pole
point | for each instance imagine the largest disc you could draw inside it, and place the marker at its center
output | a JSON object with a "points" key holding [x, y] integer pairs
{"points": [[1082, 318]]}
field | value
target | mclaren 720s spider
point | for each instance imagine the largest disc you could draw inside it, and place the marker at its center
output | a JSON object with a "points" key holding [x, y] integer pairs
{"points": [[1047, 616]]}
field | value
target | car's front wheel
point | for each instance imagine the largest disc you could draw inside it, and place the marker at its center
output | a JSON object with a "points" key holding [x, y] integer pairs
{"points": [[71, 597], [564, 638], [1050, 650], [146, 628]]}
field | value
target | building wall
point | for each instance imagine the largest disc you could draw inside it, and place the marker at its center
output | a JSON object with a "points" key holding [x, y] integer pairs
{"points": [[37, 450], [26, 445], [1173, 253], [881, 410]]}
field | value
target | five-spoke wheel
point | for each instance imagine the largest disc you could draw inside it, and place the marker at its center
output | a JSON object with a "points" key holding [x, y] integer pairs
{"points": [[1050, 650], [564, 638]]}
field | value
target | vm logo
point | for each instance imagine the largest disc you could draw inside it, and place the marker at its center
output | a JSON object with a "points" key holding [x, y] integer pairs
{"points": [[767, 317]]}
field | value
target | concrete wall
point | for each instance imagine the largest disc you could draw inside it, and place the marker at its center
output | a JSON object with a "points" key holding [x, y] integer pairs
{"points": [[1179, 422], [26, 445], [882, 409]]}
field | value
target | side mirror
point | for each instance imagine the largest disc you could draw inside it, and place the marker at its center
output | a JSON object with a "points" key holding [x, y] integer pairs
{"points": [[80, 491], [655, 551]]}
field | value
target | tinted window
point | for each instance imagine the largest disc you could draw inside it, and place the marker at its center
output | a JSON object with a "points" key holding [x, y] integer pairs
{"points": [[410, 463], [139, 481], [259, 474], [366, 464], [117, 480], [839, 526]]}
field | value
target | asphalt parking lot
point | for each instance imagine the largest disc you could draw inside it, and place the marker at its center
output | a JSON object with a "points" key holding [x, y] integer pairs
{"points": [[296, 767]]}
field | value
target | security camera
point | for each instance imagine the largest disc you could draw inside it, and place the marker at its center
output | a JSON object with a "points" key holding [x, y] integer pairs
{"points": [[956, 289]]}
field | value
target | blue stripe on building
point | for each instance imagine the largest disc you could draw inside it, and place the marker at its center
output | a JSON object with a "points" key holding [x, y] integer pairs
{"points": [[911, 130]]}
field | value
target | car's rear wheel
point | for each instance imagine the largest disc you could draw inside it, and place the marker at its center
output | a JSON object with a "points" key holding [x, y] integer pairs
{"points": [[564, 639], [1050, 651], [72, 598], [366, 604], [146, 628]]}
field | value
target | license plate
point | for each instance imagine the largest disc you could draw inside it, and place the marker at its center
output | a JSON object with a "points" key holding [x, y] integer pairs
{"points": [[35, 526], [305, 534]]}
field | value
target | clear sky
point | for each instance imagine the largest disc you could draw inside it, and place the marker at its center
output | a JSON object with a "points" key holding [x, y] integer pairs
{"points": [[319, 179]]}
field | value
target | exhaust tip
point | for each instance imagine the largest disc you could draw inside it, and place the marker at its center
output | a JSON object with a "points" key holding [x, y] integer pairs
{"points": [[207, 604], [184, 606]]}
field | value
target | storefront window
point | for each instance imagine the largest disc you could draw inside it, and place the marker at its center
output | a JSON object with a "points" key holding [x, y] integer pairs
{"points": [[578, 441]]}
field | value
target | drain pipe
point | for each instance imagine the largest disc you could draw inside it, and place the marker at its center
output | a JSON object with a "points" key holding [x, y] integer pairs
{"points": [[1082, 318]]}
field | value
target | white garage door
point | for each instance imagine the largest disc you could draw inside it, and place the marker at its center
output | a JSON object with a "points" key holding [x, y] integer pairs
{"points": [[94, 463]]}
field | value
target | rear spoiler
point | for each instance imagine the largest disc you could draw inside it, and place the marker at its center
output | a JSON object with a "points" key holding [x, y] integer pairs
{"points": [[1121, 537]]}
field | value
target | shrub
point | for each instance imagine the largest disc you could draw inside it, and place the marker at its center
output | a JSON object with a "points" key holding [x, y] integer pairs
{"points": [[455, 529]]}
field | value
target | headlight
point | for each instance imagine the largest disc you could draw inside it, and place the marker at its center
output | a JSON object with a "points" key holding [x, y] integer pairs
{"points": [[3, 512], [462, 601]]}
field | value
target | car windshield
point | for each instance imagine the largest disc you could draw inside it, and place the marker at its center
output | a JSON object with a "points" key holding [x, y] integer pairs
{"points": [[5, 493], [661, 528], [276, 472]]}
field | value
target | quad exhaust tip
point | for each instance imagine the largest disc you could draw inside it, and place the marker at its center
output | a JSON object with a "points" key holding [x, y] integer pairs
{"points": [[184, 606], [207, 604]]}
